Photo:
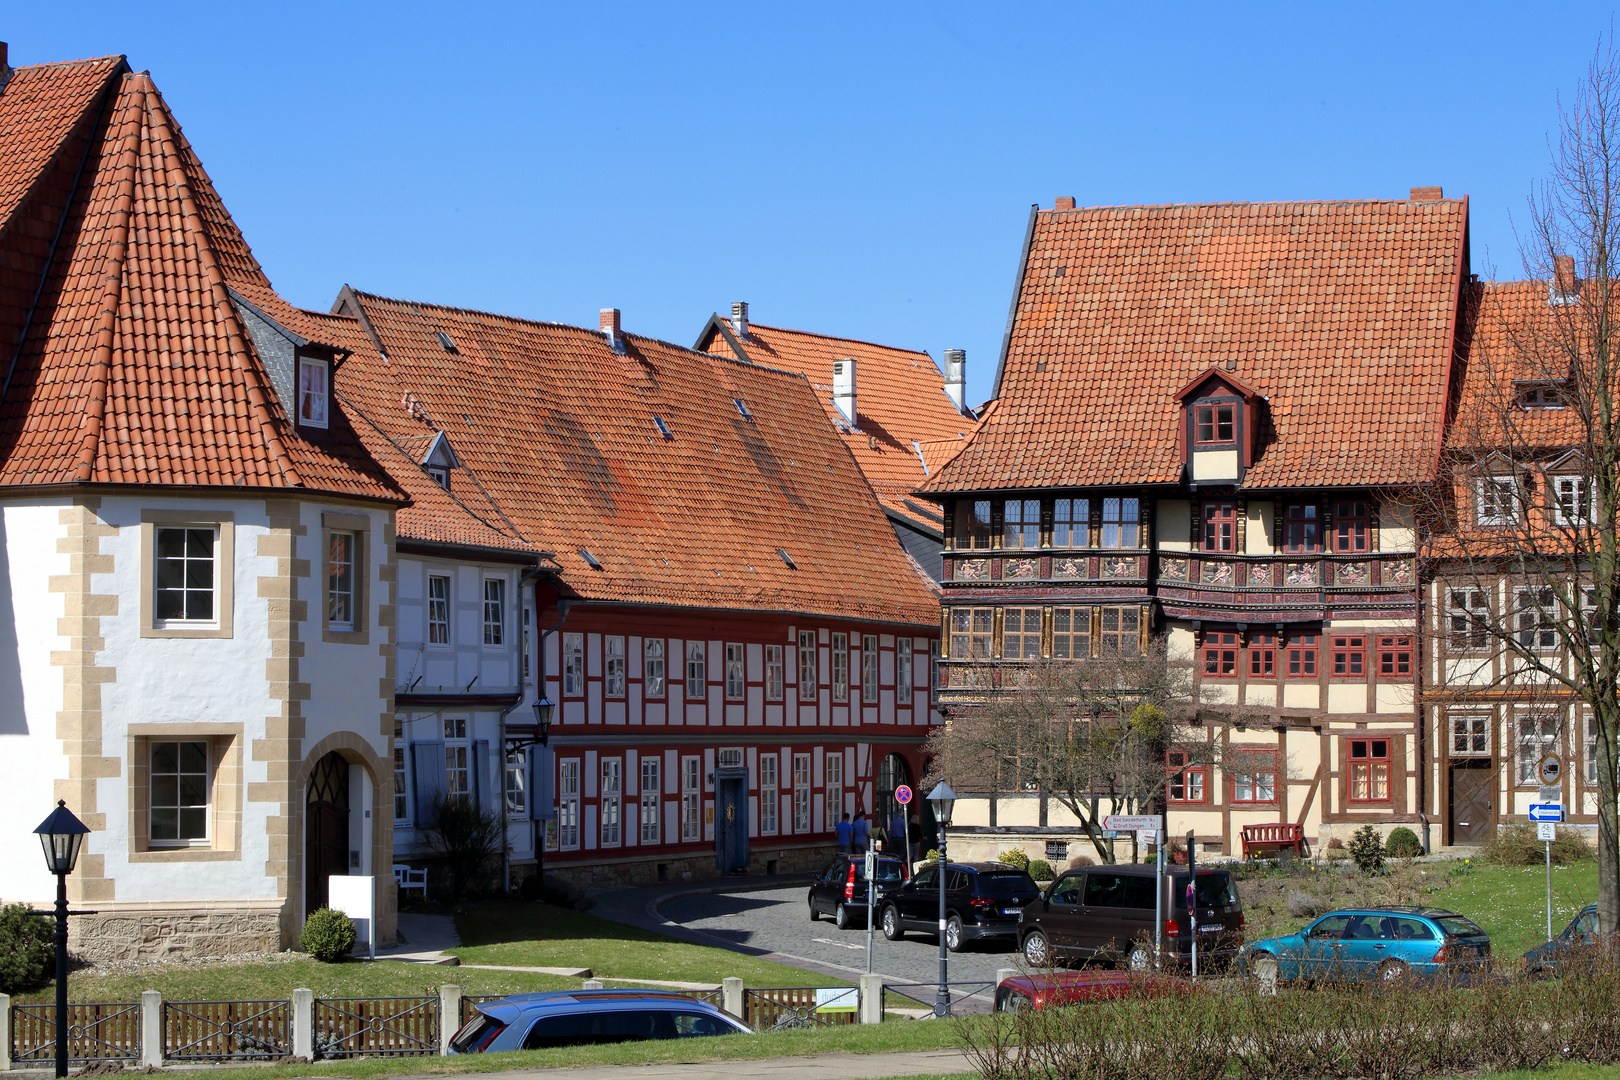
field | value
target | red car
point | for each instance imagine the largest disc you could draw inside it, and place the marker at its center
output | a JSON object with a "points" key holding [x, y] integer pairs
{"points": [[1074, 987]]}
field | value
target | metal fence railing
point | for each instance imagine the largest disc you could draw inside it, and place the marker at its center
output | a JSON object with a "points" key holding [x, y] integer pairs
{"points": [[780, 1007], [966, 997], [227, 1030], [97, 1031], [348, 1027]]}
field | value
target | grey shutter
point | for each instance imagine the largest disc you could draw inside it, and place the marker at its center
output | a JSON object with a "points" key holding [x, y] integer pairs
{"points": [[542, 783], [427, 758], [484, 795]]}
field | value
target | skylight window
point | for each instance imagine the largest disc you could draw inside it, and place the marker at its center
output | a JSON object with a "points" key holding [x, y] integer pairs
{"points": [[590, 560], [444, 339], [787, 559], [663, 428], [743, 409]]}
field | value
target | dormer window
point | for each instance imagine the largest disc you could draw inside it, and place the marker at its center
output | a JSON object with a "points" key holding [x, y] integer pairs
{"points": [[1540, 395], [314, 390], [440, 476], [1217, 433], [1215, 423]]}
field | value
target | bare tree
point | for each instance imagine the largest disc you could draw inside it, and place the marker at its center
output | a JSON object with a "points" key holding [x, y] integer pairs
{"points": [[1525, 540]]}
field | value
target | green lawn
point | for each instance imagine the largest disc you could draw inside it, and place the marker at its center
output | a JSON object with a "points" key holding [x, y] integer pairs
{"points": [[540, 935], [1510, 902]]}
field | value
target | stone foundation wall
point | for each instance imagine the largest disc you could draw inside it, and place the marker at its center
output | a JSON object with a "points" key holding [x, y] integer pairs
{"points": [[158, 934], [649, 870]]}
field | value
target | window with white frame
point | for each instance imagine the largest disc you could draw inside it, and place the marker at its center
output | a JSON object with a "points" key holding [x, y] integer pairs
{"points": [[835, 789], [457, 758], [1496, 500], [769, 800], [902, 671], [184, 577], [178, 800], [1254, 777], [840, 667], [652, 666], [1468, 612], [402, 801], [612, 791], [869, 668], [691, 800], [527, 619], [807, 664], [613, 679], [1572, 500], [697, 675], [1537, 737], [1534, 613], [340, 580], [438, 609], [313, 392], [774, 675], [1589, 748], [1589, 616], [568, 804], [736, 679], [801, 793], [650, 789], [573, 664], [494, 611], [517, 783], [1470, 734]]}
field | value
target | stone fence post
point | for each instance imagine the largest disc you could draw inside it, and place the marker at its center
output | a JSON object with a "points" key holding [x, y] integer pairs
{"points": [[449, 1016], [303, 1024], [151, 1029], [731, 996], [871, 999], [5, 1032]]}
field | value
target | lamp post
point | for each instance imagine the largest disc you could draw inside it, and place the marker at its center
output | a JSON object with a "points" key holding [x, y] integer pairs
{"points": [[542, 735], [943, 800], [61, 835]]}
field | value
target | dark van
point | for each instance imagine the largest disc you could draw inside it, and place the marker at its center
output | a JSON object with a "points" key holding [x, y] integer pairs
{"points": [[1105, 913]]}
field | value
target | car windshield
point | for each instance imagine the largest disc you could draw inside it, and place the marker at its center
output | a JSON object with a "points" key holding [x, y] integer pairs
{"points": [[887, 871], [1003, 885], [1215, 889], [1457, 926]]}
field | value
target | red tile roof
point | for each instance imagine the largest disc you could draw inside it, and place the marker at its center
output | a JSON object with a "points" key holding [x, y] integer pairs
{"points": [[900, 404], [561, 432], [135, 368], [1341, 313]]}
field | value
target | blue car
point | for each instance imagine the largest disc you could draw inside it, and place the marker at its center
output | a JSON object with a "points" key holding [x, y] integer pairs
{"points": [[1372, 943], [586, 1017], [1582, 931]]}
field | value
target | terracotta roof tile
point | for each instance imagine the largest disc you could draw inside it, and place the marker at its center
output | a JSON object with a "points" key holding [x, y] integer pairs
{"points": [[1341, 313]]}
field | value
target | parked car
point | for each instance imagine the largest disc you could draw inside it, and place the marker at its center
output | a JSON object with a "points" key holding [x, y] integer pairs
{"points": [[982, 900], [1363, 944], [840, 891], [1072, 987], [583, 1017], [1106, 913], [1580, 934]]}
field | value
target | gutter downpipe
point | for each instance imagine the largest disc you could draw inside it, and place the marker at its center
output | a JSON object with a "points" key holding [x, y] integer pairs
{"points": [[506, 847]]}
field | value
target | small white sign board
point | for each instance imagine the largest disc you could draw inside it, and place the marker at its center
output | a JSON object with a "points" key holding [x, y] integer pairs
{"points": [[356, 897], [1147, 836], [1130, 822], [1546, 830]]}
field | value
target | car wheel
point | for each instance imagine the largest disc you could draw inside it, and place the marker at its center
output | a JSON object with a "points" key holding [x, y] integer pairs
{"points": [[1036, 954], [815, 916], [891, 924], [1139, 959], [1392, 971], [841, 917], [1264, 966], [953, 934]]}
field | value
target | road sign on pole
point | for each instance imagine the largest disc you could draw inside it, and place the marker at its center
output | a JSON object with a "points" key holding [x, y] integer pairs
{"points": [[1546, 831], [1130, 822], [1550, 769], [902, 795], [1546, 812]]}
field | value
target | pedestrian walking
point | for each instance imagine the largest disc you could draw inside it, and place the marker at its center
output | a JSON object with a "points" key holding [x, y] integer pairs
{"points": [[862, 833], [846, 835]]}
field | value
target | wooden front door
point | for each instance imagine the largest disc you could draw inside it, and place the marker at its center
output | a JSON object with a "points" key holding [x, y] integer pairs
{"points": [[326, 828], [1471, 802]]}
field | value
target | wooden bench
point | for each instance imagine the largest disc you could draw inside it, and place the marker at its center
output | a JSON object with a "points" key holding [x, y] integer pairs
{"points": [[1273, 835], [408, 878]]}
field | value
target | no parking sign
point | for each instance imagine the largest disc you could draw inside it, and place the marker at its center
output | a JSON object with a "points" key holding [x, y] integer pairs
{"points": [[902, 795]]}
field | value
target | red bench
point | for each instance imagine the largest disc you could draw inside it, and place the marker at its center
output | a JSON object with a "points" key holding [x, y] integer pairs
{"points": [[1273, 835]]}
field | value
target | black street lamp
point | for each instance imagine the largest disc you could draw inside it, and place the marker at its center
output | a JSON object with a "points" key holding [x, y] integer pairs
{"points": [[943, 800], [542, 719], [61, 835]]}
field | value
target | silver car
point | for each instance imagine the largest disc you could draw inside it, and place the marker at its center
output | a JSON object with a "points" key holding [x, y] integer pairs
{"points": [[586, 1017]]}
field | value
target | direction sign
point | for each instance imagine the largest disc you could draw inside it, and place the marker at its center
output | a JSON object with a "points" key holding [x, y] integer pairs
{"points": [[1547, 831], [1148, 836], [1546, 812], [902, 795], [1550, 769], [1130, 822]]}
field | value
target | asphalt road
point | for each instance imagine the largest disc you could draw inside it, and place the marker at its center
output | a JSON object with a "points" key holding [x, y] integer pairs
{"points": [[778, 921]]}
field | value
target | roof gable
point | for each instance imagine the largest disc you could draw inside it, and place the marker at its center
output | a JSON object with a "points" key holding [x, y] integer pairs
{"points": [[1215, 383]]}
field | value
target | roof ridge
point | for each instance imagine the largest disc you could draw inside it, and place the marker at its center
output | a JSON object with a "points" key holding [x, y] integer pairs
{"points": [[236, 344], [74, 63], [834, 337], [1237, 202]]}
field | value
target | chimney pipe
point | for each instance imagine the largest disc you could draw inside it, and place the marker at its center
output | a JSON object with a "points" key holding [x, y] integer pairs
{"points": [[1064, 202], [1427, 194], [610, 329], [956, 378], [844, 388], [739, 319]]}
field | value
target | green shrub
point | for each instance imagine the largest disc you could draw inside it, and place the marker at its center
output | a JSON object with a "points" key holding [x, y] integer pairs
{"points": [[932, 856], [1403, 843], [1368, 850], [328, 935], [1041, 870], [1015, 857], [27, 949], [1516, 845]]}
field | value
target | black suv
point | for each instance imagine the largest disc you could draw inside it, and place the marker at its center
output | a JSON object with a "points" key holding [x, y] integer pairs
{"points": [[982, 900], [840, 891]]}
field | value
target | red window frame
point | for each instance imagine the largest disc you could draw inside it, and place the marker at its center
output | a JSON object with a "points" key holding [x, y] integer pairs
{"points": [[1367, 775], [1267, 765], [1352, 526], [1302, 529], [1262, 656], [1302, 656], [1220, 526], [1394, 657], [1221, 655], [1186, 783], [1214, 424], [1349, 657]]}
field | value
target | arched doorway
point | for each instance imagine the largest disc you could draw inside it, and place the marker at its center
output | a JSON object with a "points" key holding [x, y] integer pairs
{"points": [[892, 772], [326, 828]]}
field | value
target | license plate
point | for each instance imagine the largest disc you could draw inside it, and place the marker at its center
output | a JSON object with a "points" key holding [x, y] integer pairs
{"points": [[1012, 911], [1210, 928]]}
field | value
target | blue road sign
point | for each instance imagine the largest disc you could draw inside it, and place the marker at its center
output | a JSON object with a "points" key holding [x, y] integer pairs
{"points": [[1546, 812]]}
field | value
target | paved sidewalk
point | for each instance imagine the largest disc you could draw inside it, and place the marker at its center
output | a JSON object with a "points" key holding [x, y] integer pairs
{"points": [[816, 1067], [424, 939]]}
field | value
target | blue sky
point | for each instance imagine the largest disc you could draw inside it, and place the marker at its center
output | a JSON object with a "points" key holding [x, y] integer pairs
{"points": [[863, 170]]}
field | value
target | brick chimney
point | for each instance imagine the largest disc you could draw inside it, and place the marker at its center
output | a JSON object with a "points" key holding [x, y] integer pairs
{"points": [[610, 329], [5, 66], [1428, 194], [844, 388], [956, 378], [1064, 202], [1565, 289], [739, 319]]}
